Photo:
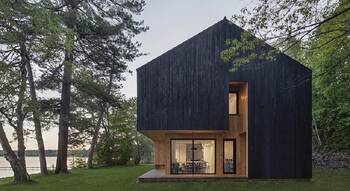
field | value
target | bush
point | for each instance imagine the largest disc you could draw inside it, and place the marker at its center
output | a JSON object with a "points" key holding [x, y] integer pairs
{"points": [[78, 163]]}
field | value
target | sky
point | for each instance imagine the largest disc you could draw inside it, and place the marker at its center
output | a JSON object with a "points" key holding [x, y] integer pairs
{"points": [[171, 23]]}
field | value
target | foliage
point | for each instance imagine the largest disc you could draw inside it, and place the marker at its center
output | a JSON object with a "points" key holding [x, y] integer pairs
{"points": [[143, 151], [10, 79], [283, 24], [329, 58], [78, 163], [316, 33], [79, 49], [245, 49], [98, 41], [120, 142]]}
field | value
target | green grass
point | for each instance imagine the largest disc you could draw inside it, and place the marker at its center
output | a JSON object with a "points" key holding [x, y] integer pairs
{"points": [[124, 178]]}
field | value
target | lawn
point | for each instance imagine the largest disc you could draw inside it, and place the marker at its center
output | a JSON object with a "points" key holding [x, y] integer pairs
{"points": [[124, 178]]}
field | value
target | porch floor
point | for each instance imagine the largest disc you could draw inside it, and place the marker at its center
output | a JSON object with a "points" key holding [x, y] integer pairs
{"points": [[158, 175]]}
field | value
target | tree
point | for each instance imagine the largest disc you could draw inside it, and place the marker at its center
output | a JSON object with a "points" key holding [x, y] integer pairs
{"points": [[120, 142], [26, 32], [329, 57], [11, 111], [36, 118], [102, 111], [20, 173], [284, 24], [12, 37], [90, 106], [316, 33], [97, 36], [143, 151]]}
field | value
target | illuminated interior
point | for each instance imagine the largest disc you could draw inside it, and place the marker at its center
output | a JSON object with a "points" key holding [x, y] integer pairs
{"points": [[230, 156], [233, 103], [193, 156]]}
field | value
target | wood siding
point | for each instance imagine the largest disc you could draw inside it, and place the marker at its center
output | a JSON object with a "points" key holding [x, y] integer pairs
{"points": [[187, 89], [279, 118]]}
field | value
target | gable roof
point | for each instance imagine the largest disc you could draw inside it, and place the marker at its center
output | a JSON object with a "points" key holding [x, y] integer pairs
{"points": [[186, 87], [222, 25]]}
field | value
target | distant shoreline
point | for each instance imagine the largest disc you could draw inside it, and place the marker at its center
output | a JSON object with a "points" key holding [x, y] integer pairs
{"points": [[33, 165], [52, 153]]}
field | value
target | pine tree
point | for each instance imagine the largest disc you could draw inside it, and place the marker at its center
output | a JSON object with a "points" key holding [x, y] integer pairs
{"points": [[98, 37]]}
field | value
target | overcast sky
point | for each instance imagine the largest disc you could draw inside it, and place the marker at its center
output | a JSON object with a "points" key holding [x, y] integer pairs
{"points": [[170, 22]]}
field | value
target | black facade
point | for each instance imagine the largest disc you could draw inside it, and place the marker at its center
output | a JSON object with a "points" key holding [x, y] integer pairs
{"points": [[186, 88]]}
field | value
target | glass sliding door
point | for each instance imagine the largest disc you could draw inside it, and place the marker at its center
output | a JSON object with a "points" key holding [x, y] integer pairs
{"points": [[229, 156], [193, 156], [181, 156], [204, 156]]}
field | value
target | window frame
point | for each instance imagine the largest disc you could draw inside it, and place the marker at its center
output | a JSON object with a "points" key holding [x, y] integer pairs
{"points": [[234, 156], [192, 139], [237, 103]]}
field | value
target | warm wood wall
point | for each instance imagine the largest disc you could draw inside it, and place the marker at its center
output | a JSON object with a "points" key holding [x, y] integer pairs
{"points": [[162, 150]]}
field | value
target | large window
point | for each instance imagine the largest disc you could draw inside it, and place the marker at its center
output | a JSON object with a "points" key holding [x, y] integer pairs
{"points": [[233, 103], [230, 156], [193, 156]]}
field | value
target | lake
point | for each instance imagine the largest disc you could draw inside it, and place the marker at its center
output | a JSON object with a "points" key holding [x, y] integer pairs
{"points": [[33, 165]]}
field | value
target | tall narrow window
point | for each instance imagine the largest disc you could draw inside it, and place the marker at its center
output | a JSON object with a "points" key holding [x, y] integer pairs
{"points": [[230, 156], [233, 103]]}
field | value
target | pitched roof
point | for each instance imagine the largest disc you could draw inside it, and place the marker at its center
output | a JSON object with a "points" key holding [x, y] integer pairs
{"points": [[223, 24]]}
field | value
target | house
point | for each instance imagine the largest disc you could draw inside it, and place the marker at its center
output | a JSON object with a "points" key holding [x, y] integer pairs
{"points": [[207, 122]]}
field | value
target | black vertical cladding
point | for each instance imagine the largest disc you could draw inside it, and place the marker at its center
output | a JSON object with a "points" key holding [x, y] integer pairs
{"points": [[187, 88]]}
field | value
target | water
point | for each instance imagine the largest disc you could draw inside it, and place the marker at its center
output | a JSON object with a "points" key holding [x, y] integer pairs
{"points": [[33, 165]]}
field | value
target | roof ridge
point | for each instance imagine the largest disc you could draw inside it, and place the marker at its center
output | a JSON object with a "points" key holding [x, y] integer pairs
{"points": [[203, 31]]}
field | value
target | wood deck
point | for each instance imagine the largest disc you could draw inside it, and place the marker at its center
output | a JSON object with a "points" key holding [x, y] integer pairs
{"points": [[158, 175]]}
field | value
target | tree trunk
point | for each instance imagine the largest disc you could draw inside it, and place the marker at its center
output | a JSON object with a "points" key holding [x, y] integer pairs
{"points": [[314, 124], [20, 117], [94, 141], [61, 163], [98, 125], [36, 119], [19, 171]]}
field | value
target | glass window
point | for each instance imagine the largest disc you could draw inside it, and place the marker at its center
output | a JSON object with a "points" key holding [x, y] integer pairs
{"points": [[192, 156], [233, 103], [204, 156], [230, 156], [181, 156]]}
